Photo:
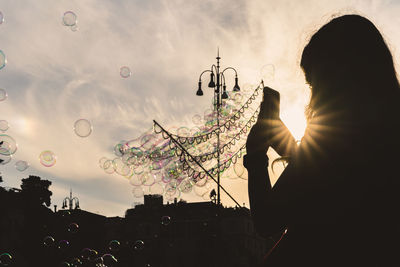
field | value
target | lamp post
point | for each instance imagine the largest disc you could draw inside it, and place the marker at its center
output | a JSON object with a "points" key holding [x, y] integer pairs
{"points": [[69, 201], [218, 98]]}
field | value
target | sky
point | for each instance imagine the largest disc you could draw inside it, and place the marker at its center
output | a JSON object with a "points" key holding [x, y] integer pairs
{"points": [[56, 75]]}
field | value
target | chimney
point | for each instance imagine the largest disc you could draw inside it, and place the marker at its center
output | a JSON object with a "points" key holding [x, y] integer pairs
{"points": [[55, 208]]}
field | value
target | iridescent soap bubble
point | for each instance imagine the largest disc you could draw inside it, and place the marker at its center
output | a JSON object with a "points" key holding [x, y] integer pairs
{"points": [[148, 179], [109, 260], [4, 125], [114, 245], [3, 59], [165, 220], [186, 186], [125, 72], [120, 167], [83, 128], [5, 259], [1, 18], [69, 18], [48, 241], [138, 245], [47, 158], [73, 228], [3, 93], [21, 165], [8, 145]]}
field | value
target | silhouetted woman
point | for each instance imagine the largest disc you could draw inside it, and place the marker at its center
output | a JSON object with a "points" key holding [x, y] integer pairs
{"points": [[339, 196]]}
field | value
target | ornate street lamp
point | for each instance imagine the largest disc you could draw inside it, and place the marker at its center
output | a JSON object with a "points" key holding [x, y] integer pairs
{"points": [[69, 201], [219, 95]]}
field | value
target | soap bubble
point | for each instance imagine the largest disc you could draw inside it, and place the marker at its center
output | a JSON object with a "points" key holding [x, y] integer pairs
{"points": [[64, 264], [1, 18], [120, 167], [3, 59], [48, 241], [74, 28], [63, 245], [4, 159], [125, 72], [3, 93], [137, 192], [83, 128], [47, 158], [239, 170], [85, 253], [138, 245], [21, 165], [197, 119], [8, 145], [102, 161], [73, 228], [76, 262], [4, 125], [109, 260], [5, 259], [93, 254], [69, 18], [186, 186], [114, 245], [165, 220], [108, 167]]}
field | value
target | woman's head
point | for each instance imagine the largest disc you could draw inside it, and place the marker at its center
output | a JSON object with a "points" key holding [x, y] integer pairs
{"points": [[349, 67]]}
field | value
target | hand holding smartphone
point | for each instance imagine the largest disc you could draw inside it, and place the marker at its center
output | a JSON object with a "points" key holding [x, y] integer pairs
{"points": [[280, 138]]}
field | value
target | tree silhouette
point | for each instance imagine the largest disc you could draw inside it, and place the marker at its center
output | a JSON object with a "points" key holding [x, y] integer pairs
{"points": [[36, 191]]}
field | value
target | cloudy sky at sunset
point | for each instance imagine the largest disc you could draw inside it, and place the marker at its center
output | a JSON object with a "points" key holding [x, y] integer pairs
{"points": [[55, 76]]}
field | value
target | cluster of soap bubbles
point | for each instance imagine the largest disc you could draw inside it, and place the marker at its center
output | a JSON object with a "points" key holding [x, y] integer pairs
{"points": [[87, 255], [70, 19], [151, 163]]}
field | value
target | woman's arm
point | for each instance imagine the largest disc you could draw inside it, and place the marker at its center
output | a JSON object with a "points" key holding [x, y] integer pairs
{"points": [[268, 131]]}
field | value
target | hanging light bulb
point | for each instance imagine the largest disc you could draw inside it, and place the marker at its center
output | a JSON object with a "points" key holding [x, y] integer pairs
{"points": [[224, 94], [199, 91], [211, 84], [236, 88]]}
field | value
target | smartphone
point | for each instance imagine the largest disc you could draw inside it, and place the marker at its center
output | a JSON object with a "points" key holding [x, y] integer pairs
{"points": [[270, 109], [284, 143]]}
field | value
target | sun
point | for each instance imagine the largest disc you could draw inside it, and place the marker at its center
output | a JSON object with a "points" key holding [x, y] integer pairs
{"points": [[293, 117]]}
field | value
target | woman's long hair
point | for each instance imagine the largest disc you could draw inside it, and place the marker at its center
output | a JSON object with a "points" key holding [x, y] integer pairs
{"points": [[354, 87], [350, 70]]}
